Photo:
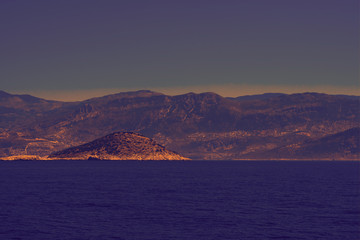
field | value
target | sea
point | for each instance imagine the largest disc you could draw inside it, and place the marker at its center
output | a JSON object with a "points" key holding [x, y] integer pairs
{"points": [[197, 200]]}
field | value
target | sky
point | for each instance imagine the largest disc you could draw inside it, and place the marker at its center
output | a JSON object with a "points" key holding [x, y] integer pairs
{"points": [[75, 49]]}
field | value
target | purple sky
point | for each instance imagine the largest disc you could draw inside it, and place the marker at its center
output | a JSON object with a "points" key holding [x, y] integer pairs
{"points": [[235, 47]]}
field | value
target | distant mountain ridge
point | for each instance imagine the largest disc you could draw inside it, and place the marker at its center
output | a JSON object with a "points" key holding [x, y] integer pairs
{"points": [[257, 96], [199, 126]]}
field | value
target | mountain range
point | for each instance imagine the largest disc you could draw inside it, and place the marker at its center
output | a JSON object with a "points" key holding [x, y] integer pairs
{"points": [[198, 126]]}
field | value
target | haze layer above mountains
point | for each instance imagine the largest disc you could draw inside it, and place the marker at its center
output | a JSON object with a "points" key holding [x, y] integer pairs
{"points": [[198, 126]]}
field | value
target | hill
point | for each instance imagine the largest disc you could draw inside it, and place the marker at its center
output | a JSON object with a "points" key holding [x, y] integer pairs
{"points": [[118, 146]]}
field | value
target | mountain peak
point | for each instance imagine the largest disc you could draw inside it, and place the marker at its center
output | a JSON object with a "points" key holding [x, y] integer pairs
{"points": [[131, 94], [3, 93]]}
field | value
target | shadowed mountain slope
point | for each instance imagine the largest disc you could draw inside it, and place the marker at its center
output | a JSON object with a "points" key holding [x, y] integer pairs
{"points": [[343, 145]]}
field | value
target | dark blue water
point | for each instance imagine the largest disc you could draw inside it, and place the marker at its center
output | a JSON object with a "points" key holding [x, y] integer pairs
{"points": [[179, 200]]}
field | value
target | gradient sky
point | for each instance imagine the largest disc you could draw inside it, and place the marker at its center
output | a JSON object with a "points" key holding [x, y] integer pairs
{"points": [[233, 46]]}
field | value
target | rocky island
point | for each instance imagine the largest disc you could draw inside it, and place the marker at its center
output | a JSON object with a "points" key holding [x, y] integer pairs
{"points": [[118, 146]]}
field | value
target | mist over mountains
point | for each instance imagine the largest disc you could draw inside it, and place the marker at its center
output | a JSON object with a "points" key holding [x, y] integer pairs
{"points": [[198, 126]]}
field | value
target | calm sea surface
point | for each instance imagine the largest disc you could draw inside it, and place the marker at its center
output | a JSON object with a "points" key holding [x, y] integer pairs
{"points": [[179, 200]]}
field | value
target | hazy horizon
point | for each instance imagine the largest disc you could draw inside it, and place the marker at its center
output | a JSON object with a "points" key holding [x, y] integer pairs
{"points": [[62, 49], [234, 91]]}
